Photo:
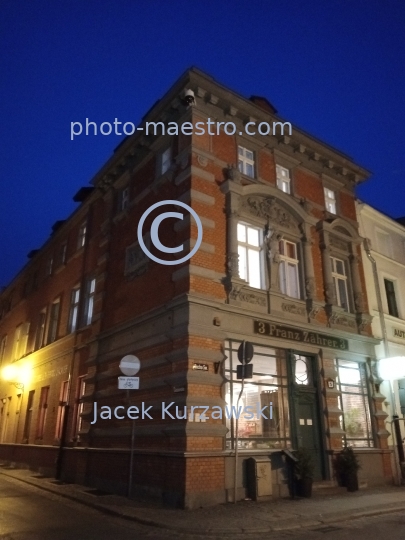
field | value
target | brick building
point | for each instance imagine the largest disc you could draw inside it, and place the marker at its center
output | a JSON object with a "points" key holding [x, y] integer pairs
{"points": [[279, 266]]}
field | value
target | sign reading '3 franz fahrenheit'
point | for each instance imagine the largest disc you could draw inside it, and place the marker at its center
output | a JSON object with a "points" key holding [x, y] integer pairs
{"points": [[303, 336]]}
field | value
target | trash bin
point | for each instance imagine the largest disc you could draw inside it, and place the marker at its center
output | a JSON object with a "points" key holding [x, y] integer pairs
{"points": [[259, 481]]}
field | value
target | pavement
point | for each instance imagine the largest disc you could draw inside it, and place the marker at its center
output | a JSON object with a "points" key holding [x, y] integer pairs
{"points": [[326, 506]]}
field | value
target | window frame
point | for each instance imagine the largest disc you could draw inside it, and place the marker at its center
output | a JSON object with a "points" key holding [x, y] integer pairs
{"points": [[330, 200], [74, 309], [280, 180], [364, 393], [342, 277], [392, 296], [3, 345], [82, 235], [89, 301], [289, 261], [165, 160], [258, 249], [42, 412], [40, 333], [53, 325], [244, 161]]}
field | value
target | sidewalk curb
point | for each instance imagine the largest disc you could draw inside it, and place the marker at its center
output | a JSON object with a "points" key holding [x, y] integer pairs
{"points": [[291, 525]]}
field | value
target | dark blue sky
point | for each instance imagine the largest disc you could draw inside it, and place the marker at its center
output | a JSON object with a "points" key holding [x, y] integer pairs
{"points": [[334, 68]]}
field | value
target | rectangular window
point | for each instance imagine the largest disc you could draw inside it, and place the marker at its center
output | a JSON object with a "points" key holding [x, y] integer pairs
{"points": [[3, 344], [21, 340], [246, 161], [391, 298], [89, 301], [43, 407], [63, 399], [268, 388], [165, 160], [354, 403], [340, 282], [49, 266], [81, 239], [250, 255], [124, 199], [288, 269], [283, 179], [74, 309], [28, 416], [40, 334], [330, 200], [81, 390], [62, 254], [53, 322]]}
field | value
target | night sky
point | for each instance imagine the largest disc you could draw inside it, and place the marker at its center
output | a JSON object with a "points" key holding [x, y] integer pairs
{"points": [[334, 68]]}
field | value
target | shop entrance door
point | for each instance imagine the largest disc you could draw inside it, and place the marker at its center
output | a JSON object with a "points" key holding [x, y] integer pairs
{"points": [[305, 418]]}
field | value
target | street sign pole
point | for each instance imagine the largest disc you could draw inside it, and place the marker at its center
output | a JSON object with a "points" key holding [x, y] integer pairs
{"points": [[245, 355], [129, 366]]}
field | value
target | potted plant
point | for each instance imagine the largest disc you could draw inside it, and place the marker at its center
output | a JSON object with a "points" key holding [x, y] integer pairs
{"points": [[346, 467], [304, 469]]}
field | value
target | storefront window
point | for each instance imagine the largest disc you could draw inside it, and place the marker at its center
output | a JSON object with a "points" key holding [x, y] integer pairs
{"points": [[354, 403], [265, 424]]}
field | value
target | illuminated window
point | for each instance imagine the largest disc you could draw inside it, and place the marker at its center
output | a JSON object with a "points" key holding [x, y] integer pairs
{"points": [[267, 390], [89, 301], [340, 282], [246, 161], [250, 255], [74, 309], [354, 403], [21, 340], [289, 276], [28, 416], [80, 391], [81, 239], [3, 343], [124, 199], [330, 200], [283, 179]]}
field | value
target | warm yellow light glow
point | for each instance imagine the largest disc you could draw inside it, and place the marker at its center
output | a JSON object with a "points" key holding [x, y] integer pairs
{"points": [[16, 373], [9, 373]]}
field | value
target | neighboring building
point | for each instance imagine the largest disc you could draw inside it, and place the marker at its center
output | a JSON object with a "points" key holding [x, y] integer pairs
{"points": [[280, 266], [384, 265]]}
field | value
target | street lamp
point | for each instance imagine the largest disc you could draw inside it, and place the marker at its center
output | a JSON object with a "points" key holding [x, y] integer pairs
{"points": [[391, 369], [18, 375]]}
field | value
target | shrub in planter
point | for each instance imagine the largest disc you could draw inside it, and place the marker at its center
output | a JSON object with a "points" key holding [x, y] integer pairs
{"points": [[346, 467], [304, 472]]}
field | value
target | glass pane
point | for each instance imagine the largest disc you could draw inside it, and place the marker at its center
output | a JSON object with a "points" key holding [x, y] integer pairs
{"points": [[240, 166], [350, 375], [301, 370], [242, 262], [283, 284], [254, 268], [241, 233], [240, 150], [343, 294], [253, 236], [291, 250], [340, 269], [293, 280], [249, 154], [249, 170]]}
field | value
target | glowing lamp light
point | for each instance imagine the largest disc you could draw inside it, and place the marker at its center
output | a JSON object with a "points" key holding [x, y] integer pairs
{"points": [[16, 374], [9, 373], [392, 368]]}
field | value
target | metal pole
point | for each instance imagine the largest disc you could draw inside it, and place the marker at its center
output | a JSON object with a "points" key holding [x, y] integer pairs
{"points": [[131, 460], [237, 423]]}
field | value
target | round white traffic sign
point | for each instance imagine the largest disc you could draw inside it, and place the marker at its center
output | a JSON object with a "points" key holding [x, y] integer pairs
{"points": [[130, 365]]}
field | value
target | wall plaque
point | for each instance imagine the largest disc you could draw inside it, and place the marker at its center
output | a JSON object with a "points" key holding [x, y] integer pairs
{"points": [[303, 336]]}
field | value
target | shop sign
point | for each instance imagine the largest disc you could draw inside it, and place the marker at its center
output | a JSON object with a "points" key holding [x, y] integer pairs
{"points": [[399, 333], [200, 367], [303, 336]]}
